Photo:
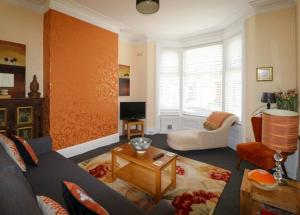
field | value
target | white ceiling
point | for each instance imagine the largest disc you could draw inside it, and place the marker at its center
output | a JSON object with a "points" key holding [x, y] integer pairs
{"points": [[175, 19]]}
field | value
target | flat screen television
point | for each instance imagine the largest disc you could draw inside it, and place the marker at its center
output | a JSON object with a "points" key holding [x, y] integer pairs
{"points": [[132, 110]]}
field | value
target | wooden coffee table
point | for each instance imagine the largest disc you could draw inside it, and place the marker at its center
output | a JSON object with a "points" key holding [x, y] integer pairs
{"points": [[141, 172]]}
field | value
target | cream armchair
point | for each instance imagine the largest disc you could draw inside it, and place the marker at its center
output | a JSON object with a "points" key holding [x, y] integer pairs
{"points": [[196, 139]]}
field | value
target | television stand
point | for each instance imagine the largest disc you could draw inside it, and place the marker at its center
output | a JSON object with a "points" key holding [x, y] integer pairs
{"points": [[137, 131]]}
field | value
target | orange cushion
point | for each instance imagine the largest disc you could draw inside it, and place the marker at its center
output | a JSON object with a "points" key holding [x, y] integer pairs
{"points": [[215, 120], [257, 154]]}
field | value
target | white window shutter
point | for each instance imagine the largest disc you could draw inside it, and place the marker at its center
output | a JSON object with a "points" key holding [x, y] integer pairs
{"points": [[169, 82], [202, 80], [233, 75]]}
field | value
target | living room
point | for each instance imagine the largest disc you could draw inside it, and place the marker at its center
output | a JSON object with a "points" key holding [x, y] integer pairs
{"points": [[149, 107]]}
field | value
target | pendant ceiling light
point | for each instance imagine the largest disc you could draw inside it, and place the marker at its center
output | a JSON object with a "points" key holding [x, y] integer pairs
{"points": [[147, 6]]}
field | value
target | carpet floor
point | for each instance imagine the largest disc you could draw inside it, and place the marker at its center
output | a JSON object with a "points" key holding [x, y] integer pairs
{"points": [[223, 157]]}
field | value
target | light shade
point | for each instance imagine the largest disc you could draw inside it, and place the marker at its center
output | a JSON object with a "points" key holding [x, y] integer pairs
{"points": [[268, 98], [280, 130], [147, 6]]}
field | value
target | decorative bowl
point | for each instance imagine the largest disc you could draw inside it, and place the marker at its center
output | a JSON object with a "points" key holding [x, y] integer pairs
{"points": [[262, 179], [140, 144]]}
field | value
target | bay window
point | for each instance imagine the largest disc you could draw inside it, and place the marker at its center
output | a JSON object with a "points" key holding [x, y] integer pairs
{"points": [[200, 80]]}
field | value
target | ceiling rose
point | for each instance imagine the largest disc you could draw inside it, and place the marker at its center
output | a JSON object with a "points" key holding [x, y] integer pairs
{"points": [[147, 6]]}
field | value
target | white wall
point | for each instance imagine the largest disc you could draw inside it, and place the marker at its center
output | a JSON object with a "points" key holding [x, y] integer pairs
{"points": [[23, 26], [141, 57], [270, 41]]}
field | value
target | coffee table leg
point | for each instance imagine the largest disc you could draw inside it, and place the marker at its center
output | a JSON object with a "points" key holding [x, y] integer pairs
{"points": [[158, 186], [173, 172], [113, 166]]}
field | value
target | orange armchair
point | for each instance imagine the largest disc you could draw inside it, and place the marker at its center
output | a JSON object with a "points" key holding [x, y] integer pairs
{"points": [[255, 152]]}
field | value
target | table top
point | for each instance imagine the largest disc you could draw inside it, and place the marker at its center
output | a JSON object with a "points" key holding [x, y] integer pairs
{"points": [[126, 151]]}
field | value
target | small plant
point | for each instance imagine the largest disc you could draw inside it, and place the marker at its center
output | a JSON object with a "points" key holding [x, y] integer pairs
{"points": [[287, 100]]}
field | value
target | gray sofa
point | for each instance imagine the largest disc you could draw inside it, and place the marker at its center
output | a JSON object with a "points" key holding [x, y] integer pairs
{"points": [[18, 190]]}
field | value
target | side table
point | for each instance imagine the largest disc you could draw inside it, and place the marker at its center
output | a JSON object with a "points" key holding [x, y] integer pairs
{"points": [[285, 197], [137, 131]]}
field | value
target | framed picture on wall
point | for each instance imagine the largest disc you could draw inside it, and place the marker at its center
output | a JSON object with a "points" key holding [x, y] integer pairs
{"points": [[25, 132], [3, 116], [264, 74], [24, 115]]}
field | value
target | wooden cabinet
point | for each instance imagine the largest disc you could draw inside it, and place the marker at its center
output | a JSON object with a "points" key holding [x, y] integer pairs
{"points": [[23, 117]]}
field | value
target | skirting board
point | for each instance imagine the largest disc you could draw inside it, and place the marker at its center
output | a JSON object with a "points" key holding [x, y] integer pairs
{"points": [[148, 131], [88, 146], [151, 131]]}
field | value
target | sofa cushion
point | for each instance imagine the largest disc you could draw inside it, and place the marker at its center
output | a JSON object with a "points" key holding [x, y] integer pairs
{"points": [[183, 139], [50, 207], [79, 202], [26, 151], [215, 120], [53, 169], [12, 151], [16, 196]]}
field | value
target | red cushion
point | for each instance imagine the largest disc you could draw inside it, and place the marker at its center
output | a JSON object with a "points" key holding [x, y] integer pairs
{"points": [[256, 153]]}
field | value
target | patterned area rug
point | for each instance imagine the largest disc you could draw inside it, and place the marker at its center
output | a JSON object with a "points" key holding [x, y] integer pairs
{"points": [[199, 185]]}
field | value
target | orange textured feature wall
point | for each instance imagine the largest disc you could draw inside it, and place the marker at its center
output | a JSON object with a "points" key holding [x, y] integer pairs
{"points": [[80, 66]]}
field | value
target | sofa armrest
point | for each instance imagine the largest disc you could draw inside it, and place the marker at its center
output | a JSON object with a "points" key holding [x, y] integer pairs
{"points": [[162, 208], [41, 145]]}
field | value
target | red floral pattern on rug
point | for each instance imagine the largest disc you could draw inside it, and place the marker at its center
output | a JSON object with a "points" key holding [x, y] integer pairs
{"points": [[183, 203], [220, 175], [100, 171], [179, 170]]}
